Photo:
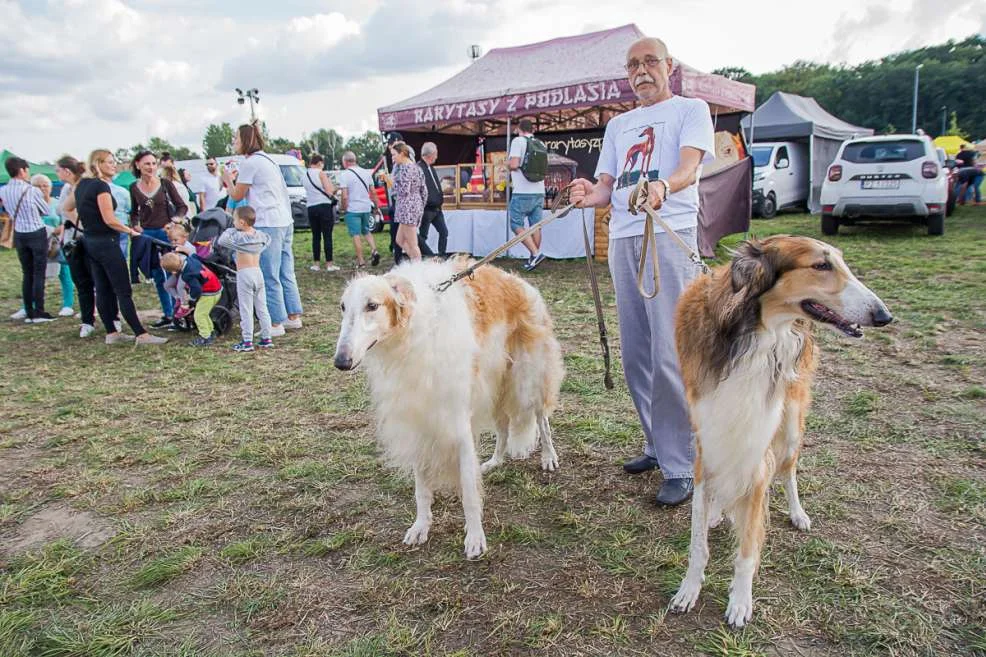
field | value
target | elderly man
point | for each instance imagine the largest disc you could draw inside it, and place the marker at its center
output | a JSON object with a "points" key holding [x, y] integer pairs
{"points": [[433, 215], [666, 139]]}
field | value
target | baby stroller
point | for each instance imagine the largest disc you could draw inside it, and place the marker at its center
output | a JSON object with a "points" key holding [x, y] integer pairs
{"points": [[206, 227]]}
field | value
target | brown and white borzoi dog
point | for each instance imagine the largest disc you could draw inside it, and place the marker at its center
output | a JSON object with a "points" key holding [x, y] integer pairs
{"points": [[445, 366], [747, 359]]}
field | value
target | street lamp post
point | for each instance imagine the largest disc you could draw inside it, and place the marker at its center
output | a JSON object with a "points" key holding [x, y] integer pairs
{"points": [[253, 95], [914, 113], [944, 113]]}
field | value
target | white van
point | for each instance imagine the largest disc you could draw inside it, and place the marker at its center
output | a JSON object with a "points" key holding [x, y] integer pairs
{"points": [[292, 170], [780, 176]]}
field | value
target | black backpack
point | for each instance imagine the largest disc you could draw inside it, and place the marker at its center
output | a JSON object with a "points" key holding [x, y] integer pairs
{"points": [[535, 163]]}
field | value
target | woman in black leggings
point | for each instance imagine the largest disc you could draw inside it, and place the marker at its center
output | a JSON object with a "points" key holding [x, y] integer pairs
{"points": [[320, 191], [95, 204]]}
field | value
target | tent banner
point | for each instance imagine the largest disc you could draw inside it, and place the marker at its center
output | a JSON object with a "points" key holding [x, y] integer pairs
{"points": [[571, 96]]}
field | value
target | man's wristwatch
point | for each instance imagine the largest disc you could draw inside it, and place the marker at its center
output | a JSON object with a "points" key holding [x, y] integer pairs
{"points": [[667, 189]]}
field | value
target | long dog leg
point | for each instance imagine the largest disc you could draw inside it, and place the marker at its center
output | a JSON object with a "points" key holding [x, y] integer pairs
{"points": [[698, 551], [750, 517], [792, 428], [549, 458], [500, 451], [472, 496], [418, 532]]}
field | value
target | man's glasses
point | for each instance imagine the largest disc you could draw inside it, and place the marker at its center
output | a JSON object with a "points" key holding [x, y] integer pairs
{"points": [[649, 62]]}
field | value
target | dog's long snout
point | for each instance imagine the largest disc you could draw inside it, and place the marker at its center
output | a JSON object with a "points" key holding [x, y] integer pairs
{"points": [[343, 360], [881, 316]]}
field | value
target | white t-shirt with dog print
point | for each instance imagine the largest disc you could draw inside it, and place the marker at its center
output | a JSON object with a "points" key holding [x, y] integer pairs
{"points": [[650, 138]]}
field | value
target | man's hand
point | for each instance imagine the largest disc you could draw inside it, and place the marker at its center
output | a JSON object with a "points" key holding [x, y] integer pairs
{"points": [[655, 194], [580, 189]]}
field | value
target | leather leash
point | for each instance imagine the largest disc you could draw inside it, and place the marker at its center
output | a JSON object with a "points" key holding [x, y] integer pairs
{"points": [[638, 201]]}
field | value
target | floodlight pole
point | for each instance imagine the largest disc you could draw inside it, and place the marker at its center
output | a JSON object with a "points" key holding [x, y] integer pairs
{"points": [[253, 95], [914, 113]]}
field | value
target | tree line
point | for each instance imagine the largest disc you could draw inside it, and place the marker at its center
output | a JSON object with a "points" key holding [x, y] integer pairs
{"points": [[218, 142], [879, 94]]}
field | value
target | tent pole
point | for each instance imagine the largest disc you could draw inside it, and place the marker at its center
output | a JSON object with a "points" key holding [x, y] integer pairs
{"points": [[509, 187], [811, 171]]}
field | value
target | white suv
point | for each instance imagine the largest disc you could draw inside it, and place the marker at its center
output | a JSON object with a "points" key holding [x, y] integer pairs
{"points": [[886, 177]]}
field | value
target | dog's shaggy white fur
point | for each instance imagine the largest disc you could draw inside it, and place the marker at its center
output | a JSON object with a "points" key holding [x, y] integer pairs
{"points": [[444, 367]]}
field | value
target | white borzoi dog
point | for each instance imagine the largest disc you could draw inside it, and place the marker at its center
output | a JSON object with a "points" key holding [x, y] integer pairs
{"points": [[747, 360], [445, 366]]}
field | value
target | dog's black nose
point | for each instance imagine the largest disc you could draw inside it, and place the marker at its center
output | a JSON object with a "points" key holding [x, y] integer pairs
{"points": [[343, 362], [882, 317]]}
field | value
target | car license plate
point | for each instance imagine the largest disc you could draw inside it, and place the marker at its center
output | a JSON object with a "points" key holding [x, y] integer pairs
{"points": [[881, 184]]}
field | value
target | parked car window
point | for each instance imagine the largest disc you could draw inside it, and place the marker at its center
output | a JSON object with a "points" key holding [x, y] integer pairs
{"points": [[863, 152], [292, 175], [761, 155], [782, 155]]}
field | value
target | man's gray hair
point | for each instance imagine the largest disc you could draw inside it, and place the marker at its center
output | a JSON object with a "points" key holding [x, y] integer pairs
{"points": [[349, 156], [428, 148]]}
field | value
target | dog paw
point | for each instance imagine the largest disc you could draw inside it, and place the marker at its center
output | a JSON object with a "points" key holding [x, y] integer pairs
{"points": [[801, 521], [739, 611], [475, 544], [686, 597], [549, 461], [489, 465], [417, 534]]}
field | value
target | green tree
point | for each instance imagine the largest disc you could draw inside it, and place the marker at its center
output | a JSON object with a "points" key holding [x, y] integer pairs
{"points": [[367, 147], [218, 140], [734, 73], [279, 145], [328, 143], [953, 127]]}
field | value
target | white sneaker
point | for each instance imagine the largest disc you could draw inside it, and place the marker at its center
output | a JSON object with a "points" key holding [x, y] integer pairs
{"points": [[118, 338], [117, 325], [331, 268], [276, 331], [20, 314], [315, 268], [66, 311], [147, 338], [86, 330], [292, 323]]}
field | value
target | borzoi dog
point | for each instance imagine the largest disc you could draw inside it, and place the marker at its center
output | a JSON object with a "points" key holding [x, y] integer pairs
{"points": [[747, 359], [445, 366]]}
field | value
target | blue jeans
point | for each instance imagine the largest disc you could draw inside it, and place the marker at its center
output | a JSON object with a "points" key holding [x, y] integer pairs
{"points": [[277, 265], [160, 276]]}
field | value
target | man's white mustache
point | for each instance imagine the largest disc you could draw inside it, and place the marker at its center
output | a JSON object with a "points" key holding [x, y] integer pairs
{"points": [[643, 78]]}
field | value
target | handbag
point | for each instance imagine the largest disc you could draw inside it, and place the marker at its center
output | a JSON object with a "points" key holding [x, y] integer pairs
{"points": [[7, 232], [53, 247]]}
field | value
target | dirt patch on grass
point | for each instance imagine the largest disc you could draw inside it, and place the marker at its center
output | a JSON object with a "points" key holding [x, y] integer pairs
{"points": [[58, 522]]}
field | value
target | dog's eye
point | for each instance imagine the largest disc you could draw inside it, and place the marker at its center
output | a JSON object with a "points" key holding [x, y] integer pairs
{"points": [[370, 307], [822, 266]]}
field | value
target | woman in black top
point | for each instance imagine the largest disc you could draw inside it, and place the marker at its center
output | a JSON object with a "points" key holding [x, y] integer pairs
{"points": [[95, 205]]}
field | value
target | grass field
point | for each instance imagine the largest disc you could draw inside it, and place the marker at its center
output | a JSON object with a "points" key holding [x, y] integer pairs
{"points": [[181, 502]]}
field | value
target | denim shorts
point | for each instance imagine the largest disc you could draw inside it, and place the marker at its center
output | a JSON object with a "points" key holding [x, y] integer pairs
{"points": [[358, 223], [525, 206]]}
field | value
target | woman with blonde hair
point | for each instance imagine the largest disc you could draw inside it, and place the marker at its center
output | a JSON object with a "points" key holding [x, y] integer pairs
{"points": [[260, 181], [94, 203], [411, 194], [58, 262]]}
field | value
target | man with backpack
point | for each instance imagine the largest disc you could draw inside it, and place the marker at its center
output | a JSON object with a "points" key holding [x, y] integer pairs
{"points": [[528, 162]]}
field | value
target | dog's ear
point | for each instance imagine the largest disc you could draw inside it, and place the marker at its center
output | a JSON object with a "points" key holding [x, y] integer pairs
{"points": [[752, 271], [404, 297]]}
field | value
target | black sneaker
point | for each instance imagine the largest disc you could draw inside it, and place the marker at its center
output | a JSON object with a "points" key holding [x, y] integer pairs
{"points": [[42, 318], [375, 258], [164, 322], [534, 261]]}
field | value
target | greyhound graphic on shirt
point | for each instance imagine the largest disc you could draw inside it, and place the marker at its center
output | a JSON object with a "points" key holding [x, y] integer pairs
{"points": [[637, 160]]}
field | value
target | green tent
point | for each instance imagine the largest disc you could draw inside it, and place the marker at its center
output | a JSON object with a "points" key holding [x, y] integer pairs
{"points": [[46, 169], [124, 179]]}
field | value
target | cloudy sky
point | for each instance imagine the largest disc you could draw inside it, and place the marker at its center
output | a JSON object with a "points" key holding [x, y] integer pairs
{"points": [[82, 74]]}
